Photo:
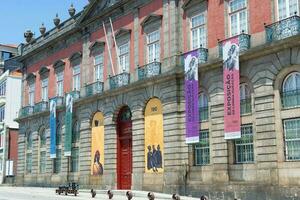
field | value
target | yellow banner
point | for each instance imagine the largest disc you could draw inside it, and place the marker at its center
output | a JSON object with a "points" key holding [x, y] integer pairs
{"points": [[154, 137], [97, 150]]}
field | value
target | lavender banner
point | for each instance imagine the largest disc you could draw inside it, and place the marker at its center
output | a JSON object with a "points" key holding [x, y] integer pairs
{"points": [[191, 96]]}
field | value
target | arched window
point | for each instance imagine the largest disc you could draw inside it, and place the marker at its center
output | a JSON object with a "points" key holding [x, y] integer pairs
{"points": [[245, 99], [203, 106], [291, 90], [42, 150], [28, 152], [75, 147]]}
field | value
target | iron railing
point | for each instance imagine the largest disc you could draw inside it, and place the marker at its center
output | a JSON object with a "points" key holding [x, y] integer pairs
{"points": [[26, 111], [119, 80], [244, 43], [40, 107], [245, 106], [149, 70], [75, 94], [202, 56], [283, 29], [290, 98], [92, 89]]}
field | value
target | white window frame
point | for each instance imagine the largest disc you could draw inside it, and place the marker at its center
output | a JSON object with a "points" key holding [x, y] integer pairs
{"points": [[293, 76], [3, 88], [60, 84], [124, 57], [154, 44], [290, 140], [2, 113], [203, 150], [31, 94], [247, 145], [237, 13], [98, 67], [76, 78], [198, 30], [44, 83], [287, 9]]}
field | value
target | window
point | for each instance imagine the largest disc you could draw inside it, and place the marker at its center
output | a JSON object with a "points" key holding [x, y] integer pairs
{"points": [[2, 113], [1, 140], [76, 133], [43, 162], [31, 94], [3, 88], [1, 160], [42, 139], [153, 46], [57, 162], [292, 139], [287, 8], [203, 107], [98, 67], [291, 90], [198, 31], [238, 17], [202, 155], [60, 84], [244, 145], [74, 159], [124, 57], [45, 89], [29, 162], [76, 78], [6, 55], [245, 99]]}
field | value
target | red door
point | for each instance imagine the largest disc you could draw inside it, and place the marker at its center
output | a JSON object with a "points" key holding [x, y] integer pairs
{"points": [[124, 163]]}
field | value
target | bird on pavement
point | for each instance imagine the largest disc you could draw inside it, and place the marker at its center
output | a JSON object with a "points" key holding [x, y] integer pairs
{"points": [[110, 194], [175, 197], [93, 193]]}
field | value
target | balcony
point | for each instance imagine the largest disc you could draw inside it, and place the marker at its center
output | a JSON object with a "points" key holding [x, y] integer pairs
{"points": [[59, 101], [290, 99], [283, 29], [26, 111], [119, 80], [92, 89], [244, 43], [202, 58], [245, 106], [149, 70], [40, 107]]}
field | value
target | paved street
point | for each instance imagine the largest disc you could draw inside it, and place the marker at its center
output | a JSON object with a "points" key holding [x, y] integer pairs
{"points": [[31, 193]]}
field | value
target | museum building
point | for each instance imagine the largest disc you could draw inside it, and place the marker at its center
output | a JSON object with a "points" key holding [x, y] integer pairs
{"points": [[121, 61]]}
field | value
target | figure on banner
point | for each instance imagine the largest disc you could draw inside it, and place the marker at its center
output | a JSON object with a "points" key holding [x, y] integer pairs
{"points": [[154, 158], [97, 166], [191, 68], [69, 103], [52, 108], [231, 62]]}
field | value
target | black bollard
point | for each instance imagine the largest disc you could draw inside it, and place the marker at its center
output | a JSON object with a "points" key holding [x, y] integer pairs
{"points": [[129, 195], [110, 194]]}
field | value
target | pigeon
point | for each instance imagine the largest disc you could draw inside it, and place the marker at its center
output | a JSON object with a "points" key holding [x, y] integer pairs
{"points": [[110, 194], [151, 196], [129, 195], [175, 197]]}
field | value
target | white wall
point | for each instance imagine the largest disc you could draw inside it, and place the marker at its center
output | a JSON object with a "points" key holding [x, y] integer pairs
{"points": [[13, 101]]}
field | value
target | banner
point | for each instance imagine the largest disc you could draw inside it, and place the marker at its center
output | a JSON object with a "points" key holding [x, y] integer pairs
{"points": [[68, 125], [231, 82], [97, 150], [191, 96], [53, 128], [154, 137]]}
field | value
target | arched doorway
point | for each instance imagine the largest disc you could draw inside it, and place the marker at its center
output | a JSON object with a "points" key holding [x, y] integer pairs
{"points": [[97, 150], [124, 147]]}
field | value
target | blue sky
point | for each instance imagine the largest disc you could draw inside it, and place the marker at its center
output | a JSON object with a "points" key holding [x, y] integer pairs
{"points": [[18, 15]]}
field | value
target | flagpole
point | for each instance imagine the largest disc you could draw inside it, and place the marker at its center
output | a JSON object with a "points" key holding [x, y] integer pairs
{"points": [[116, 47], [112, 64]]}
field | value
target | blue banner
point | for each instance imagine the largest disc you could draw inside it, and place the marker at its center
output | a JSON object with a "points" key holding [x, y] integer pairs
{"points": [[53, 128]]}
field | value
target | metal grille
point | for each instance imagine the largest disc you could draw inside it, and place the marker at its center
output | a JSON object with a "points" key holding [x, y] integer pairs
{"points": [[244, 145], [292, 139], [202, 155], [43, 162], [57, 162], [74, 159]]}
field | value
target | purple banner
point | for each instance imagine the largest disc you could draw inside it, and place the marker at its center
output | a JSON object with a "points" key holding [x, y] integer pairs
{"points": [[191, 96]]}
